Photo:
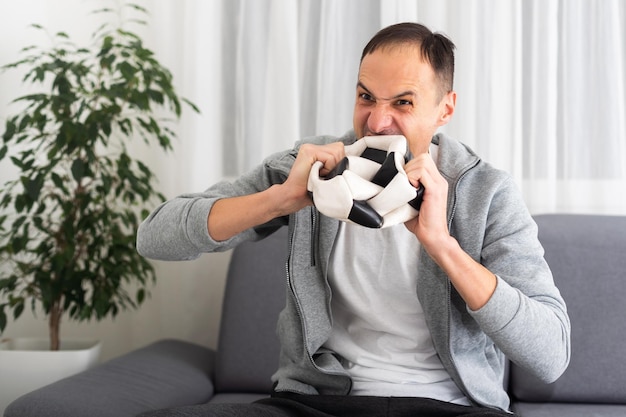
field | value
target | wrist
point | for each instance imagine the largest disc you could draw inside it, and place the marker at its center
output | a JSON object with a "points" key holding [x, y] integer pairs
{"points": [[287, 199], [472, 280], [443, 248]]}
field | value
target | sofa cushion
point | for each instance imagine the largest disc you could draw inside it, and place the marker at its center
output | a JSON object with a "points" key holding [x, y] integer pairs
{"points": [[568, 410], [587, 255], [167, 373], [230, 398], [248, 347]]}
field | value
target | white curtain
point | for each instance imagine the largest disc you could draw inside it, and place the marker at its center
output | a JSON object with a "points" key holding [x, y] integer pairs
{"points": [[541, 85], [541, 93]]}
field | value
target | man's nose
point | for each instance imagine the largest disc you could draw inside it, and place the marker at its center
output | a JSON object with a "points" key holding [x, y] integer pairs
{"points": [[380, 119]]}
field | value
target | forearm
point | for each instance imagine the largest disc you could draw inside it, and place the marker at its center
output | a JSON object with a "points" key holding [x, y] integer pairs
{"points": [[231, 216], [475, 283]]}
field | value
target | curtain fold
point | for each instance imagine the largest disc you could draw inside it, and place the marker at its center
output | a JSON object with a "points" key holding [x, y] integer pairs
{"points": [[574, 114]]}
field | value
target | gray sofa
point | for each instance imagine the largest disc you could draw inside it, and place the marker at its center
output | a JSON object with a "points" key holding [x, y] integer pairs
{"points": [[586, 253]]}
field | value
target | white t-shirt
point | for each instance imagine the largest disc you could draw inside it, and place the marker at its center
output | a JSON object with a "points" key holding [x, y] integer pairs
{"points": [[379, 327]]}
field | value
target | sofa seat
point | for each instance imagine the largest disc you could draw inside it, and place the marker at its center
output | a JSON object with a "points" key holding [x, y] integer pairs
{"points": [[587, 255]]}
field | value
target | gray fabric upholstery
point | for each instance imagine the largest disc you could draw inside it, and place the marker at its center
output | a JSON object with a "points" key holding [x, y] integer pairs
{"points": [[254, 296], [160, 375], [568, 410], [587, 255], [227, 398]]}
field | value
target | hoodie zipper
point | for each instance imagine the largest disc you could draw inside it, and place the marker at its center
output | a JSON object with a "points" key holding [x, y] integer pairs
{"points": [[314, 234], [449, 284], [295, 297]]}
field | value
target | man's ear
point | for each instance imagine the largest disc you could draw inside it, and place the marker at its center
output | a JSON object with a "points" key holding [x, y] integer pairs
{"points": [[446, 108]]}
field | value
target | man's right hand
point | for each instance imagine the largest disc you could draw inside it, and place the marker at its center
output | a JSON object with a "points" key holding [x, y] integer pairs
{"points": [[230, 216], [296, 184]]}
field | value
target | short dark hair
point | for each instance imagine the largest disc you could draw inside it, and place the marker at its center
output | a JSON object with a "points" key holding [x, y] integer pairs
{"points": [[435, 48]]}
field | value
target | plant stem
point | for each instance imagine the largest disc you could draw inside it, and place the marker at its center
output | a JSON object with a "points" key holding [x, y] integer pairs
{"points": [[54, 325]]}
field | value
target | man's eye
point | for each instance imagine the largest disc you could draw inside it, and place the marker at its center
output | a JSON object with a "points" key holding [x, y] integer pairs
{"points": [[366, 97], [404, 102]]}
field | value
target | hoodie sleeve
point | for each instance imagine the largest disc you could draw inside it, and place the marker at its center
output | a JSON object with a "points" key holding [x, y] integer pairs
{"points": [[178, 230], [526, 316]]}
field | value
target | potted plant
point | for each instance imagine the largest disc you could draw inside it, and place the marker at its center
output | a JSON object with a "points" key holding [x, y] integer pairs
{"points": [[68, 220]]}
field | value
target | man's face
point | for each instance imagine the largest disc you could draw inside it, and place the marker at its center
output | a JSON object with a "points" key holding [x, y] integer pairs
{"points": [[397, 94]]}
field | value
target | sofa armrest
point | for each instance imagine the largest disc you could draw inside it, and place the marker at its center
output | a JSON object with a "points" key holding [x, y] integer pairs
{"points": [[165, 374]]}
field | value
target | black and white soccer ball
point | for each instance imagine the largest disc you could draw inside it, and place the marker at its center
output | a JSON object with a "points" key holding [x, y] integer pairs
{"points": [[369, 186]]}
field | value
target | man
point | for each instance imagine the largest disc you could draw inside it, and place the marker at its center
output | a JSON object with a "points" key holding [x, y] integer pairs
{"points": [[426, 331]]}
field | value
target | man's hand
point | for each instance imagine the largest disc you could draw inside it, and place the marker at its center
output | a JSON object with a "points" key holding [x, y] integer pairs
{"points": [[431, 225], [295, 187], [230, 216], [473, 281]]}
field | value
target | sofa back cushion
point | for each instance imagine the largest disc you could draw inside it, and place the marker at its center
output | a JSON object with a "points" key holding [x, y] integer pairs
{"points": [[248, 347], [587, 255]]}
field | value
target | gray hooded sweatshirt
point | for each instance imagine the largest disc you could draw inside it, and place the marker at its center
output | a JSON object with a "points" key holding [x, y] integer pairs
{"points": [[525, 320]]}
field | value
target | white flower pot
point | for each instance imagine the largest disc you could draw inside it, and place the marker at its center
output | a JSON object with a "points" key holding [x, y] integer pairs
{"points": [[27, 364]]}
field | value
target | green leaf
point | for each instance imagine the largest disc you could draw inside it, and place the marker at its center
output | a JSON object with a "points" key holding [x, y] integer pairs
{"points": [[6, 200], [53, 152], [3, 318], [33, 187], [18, 163], [78, 169], [10, 130], [137, 7], [20, 203], [24, 123], [38, 222], [19, 222], [104, 10], [156, 96], [192, 105], [18, 244], [18, 310], [14, 301], [57, 180], [127, 70], [141, 295], [106, 60], [8, 283], [125, 126]]}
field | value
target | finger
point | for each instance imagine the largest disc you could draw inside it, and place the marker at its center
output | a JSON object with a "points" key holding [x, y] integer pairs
{"points": [[420, 170], [330, 156]]}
